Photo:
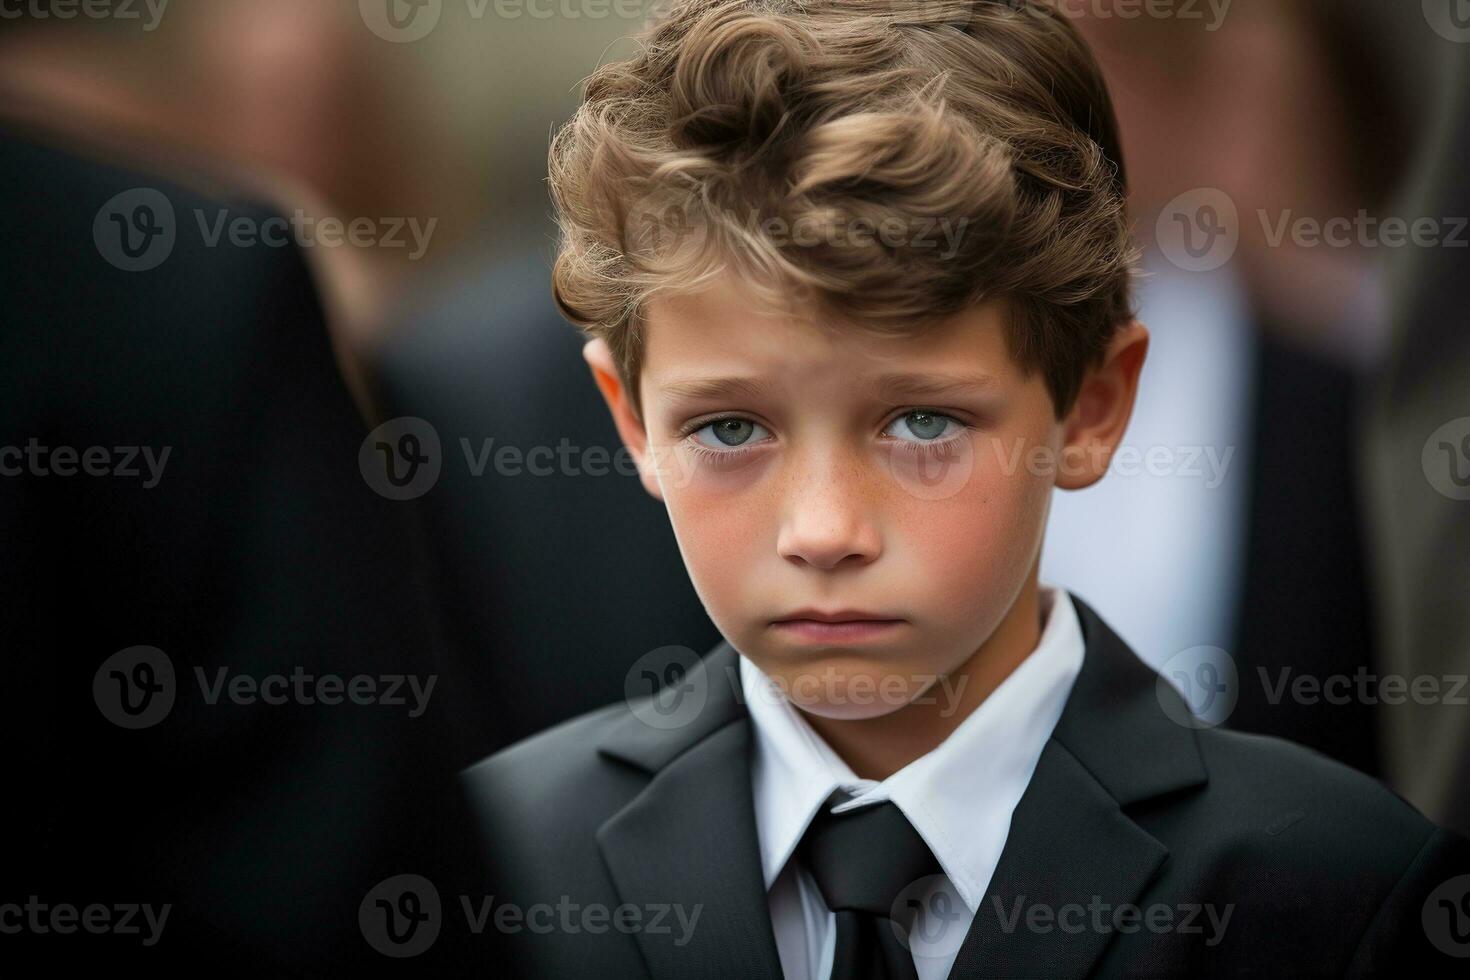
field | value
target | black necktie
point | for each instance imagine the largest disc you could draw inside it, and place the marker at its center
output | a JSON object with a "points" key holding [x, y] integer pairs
{"points": [[862, 861]]}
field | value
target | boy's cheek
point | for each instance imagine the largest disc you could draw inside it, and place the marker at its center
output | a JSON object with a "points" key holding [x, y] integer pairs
{"points": [[974, 549], [721, 538]]}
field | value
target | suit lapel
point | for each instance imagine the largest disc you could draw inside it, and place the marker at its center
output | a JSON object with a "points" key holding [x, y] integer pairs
{"points": [[1069, 845], [689, 838], [1072, 848], [689, 842]]}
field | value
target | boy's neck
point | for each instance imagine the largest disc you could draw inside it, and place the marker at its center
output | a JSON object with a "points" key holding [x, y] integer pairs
{"points": [[876, 748]]}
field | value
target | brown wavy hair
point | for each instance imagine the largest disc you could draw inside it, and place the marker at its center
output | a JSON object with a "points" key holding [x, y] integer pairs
{"points": [[863, 122]]}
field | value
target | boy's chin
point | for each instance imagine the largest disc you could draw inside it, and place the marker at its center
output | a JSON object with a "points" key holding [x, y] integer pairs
{"points": [[851, 695], [845, 712]]}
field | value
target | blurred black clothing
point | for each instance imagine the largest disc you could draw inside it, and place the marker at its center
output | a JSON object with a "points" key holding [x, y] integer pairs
{"points": [[1417, 440], [1305, 608], [260, 550]]}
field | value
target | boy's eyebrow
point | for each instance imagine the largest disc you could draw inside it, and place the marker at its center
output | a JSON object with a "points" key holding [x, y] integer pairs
{"points": [[890, 386], [897, 386], [699, 388]]}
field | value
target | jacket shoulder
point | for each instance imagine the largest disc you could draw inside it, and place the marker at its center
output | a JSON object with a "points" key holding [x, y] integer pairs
{"points": [[553, 785], [550, 761], [1280, 794]]}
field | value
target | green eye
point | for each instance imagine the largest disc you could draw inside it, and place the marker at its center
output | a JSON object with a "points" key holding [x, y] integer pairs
{"points": [[921, 426], [728, 433]]}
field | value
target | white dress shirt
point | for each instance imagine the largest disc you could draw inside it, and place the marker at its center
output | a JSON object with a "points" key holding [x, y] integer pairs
{"points": [[959, 797]]}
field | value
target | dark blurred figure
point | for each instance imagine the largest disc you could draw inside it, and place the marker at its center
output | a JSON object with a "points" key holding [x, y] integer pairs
{"points": [[297, 95], [1285, 109], [181, 471], [559, 522], [1418, 476]]}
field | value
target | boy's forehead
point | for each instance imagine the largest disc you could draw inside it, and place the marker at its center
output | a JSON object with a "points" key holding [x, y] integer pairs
{"points": [[721, 333]]}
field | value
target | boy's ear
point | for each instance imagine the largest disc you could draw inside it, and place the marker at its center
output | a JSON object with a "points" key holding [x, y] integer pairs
{"points": [[1098, 419], [605, 373]]}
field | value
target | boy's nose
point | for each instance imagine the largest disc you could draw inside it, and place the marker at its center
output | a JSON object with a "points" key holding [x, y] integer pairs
{"points": [[827, 525]]}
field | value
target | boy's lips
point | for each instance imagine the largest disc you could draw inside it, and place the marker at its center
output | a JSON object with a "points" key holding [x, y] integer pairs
{"points": [[841, 626]]}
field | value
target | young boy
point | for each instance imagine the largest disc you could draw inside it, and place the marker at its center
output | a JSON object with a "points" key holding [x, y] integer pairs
{"points": [[857, 278]]}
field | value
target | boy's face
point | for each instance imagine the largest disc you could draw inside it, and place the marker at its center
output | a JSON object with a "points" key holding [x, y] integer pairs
{"points": [[900, 484]]}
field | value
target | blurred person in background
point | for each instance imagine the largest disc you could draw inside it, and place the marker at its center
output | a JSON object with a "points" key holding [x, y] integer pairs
{"points": [[206, 598], [304, 101], [1248, 520], [294, 98], [235, 537], [1417, 468]]}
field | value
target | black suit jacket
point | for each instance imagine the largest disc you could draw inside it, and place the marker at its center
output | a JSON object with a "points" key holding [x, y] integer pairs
{"points": [[1324, 871]]}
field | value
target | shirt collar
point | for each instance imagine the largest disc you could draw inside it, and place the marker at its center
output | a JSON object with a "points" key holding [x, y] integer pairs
{"points": [[959, 797]]}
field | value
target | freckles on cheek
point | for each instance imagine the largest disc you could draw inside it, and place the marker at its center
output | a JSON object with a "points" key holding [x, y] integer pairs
{"points": [[979, 537]]}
